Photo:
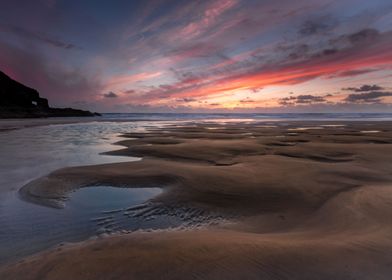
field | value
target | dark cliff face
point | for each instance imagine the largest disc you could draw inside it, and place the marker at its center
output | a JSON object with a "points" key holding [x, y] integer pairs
{"points": [[14, 94], [20, 101]]}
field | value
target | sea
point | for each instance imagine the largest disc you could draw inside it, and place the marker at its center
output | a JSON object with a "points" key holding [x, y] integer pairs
{"points": [[248, 116]]}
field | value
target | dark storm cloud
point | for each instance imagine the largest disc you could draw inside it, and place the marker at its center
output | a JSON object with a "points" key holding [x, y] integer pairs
{"points": [[317, 26], [186, 99], [186, 77], [304, 99], [110, 94], [364, 35], [296, 51], [349, 41], [358, 38], [335, 44], [352, 73], [367, 97], [301, 100], [364, 88]]}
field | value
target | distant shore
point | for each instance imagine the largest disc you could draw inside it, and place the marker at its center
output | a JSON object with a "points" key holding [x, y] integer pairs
{"points": [[9, 124], [298, 199]]}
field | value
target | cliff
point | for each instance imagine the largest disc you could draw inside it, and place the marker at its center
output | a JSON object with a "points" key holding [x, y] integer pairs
{"points": [[20, 101]]}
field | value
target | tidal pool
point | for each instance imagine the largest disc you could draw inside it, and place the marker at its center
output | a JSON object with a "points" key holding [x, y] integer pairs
{"points": [[27, 228]]}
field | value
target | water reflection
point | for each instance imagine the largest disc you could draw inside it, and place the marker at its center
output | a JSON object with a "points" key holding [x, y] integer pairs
{"points": [[30, 153], [27, 228]]}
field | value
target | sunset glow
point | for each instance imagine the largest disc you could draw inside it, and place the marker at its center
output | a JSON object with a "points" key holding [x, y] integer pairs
{"points": [[196, 56]]}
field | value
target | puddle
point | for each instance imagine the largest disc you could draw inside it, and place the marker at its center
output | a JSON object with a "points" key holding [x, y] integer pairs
{"points": [[28, 228], [104, 198], [305, 128], [333, 125]]}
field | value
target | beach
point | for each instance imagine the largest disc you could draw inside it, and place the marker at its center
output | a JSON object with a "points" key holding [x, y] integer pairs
{"points": [[205, 140], [256, 200]]}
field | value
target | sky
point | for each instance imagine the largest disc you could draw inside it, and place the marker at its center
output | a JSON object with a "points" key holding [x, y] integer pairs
{"points": [[202, 56]]}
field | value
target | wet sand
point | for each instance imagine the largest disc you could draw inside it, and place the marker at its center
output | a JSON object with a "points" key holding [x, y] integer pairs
{"points": [[295, 200]]}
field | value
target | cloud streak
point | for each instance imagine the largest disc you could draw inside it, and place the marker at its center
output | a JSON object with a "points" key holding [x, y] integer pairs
{"points": [[36, 36]]}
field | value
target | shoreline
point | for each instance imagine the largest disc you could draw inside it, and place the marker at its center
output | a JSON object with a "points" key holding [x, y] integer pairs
{"points": [[300, 193], [19, 123]]}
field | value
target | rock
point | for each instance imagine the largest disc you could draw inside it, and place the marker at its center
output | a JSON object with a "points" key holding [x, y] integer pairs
{"points": [[20, 101]]}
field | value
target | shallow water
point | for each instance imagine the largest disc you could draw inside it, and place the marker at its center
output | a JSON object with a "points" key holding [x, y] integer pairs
{"points": [[90, 211], [26, 154], [305, 128], [370, 131], [30, 153]]}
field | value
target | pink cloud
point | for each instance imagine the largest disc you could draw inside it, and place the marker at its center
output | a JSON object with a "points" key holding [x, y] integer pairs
{"points": [[128, 79], [210, 16]]}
